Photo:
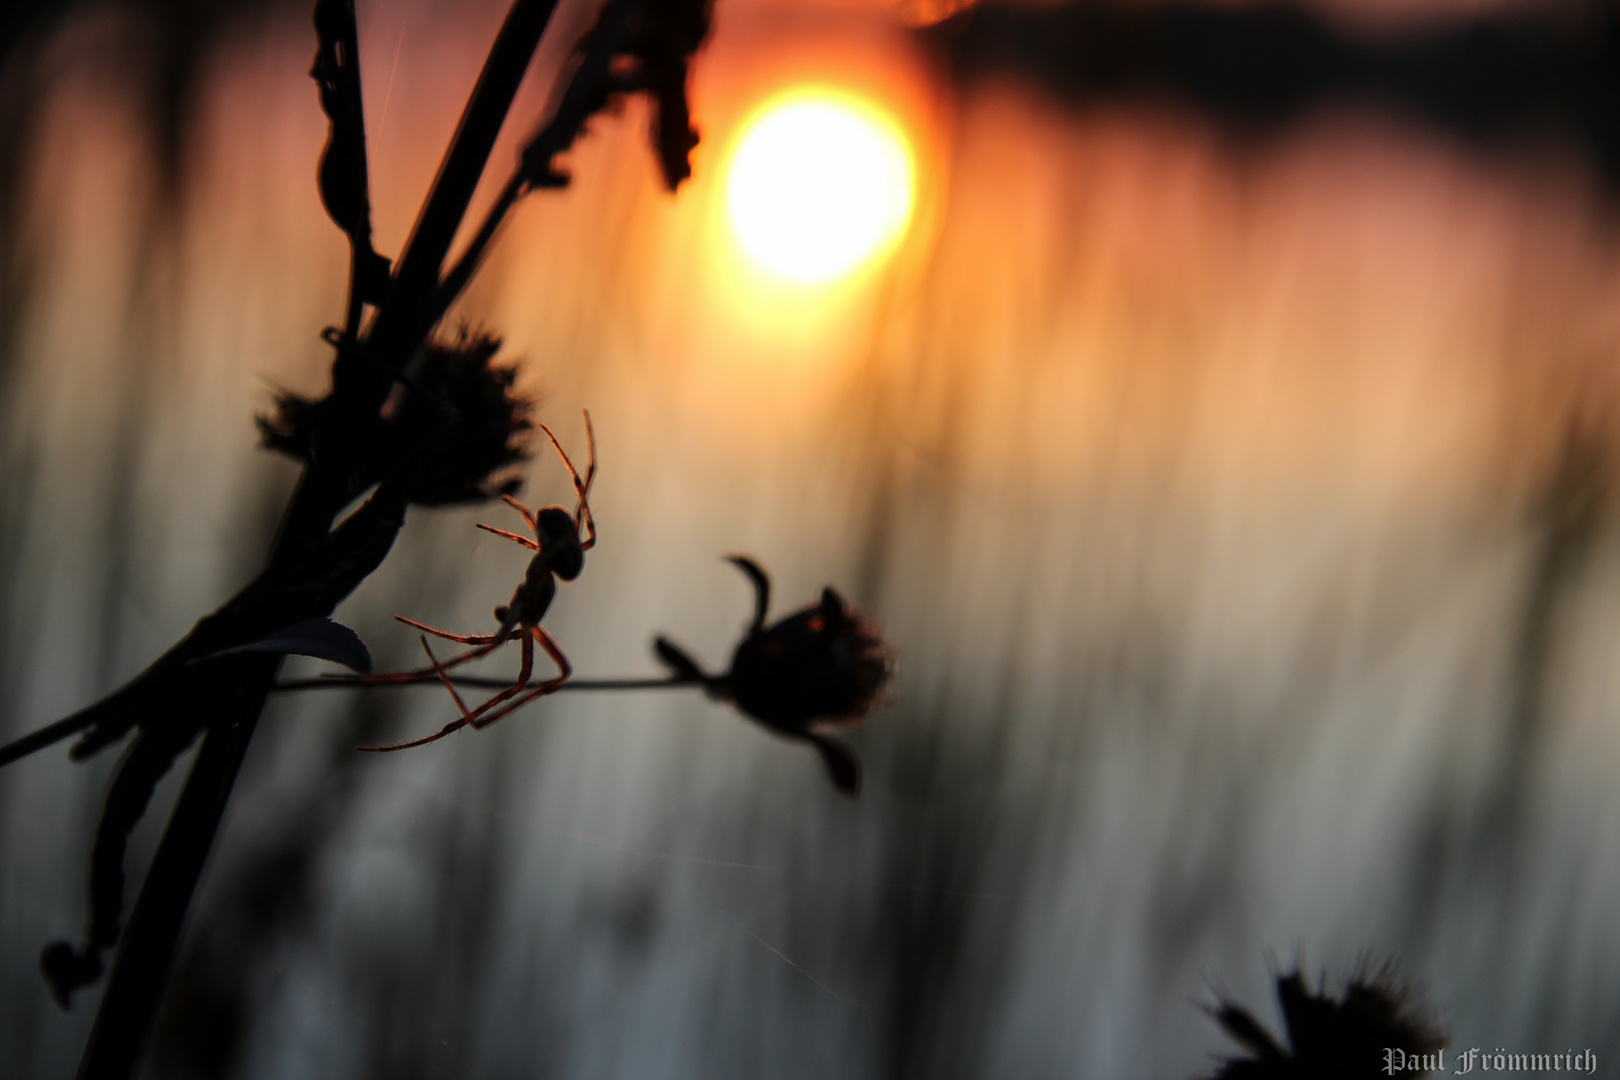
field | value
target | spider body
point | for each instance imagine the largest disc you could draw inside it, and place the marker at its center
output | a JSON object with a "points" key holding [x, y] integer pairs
{"points": [[560, 542], [560, 554]]}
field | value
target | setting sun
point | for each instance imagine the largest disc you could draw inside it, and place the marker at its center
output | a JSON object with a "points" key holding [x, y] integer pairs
{"points": [[820, 183]]}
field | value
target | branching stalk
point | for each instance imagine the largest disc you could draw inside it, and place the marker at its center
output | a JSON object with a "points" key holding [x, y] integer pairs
{"points": [[227, 704]]}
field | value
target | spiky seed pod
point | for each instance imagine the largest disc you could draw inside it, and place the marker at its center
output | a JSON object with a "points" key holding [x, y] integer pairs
{"points": [[823, 665], [825, 662], [1344, 1038], [472, 459], [490, 433]]}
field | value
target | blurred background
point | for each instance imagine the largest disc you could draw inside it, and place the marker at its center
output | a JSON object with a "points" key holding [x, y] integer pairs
{"points": [[1228, 449]]}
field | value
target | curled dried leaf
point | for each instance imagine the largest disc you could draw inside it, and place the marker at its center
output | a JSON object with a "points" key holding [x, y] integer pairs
{"points": [[336, 71], [320, 638], [634, 47], [655, 56]]}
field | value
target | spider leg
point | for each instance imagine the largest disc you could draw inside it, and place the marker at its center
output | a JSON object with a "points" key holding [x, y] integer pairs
{"points": [[465, 639], [565, 670], [524, 540], [476, 718], [590, 470], [452, 726], [466, 717], [528, 515], [513, 706], [584, 521], [485, 646], [569, 465], [438, 669]]}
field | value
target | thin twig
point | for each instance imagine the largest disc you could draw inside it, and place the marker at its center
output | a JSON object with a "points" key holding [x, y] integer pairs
{"points": [[45, 736], [580, 101], [467, 265], [416, 278], [483, 682], [146, 948], [51, 733]]}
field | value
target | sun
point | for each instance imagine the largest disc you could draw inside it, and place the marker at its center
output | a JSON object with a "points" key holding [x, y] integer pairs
{"points": [[820, 184]]}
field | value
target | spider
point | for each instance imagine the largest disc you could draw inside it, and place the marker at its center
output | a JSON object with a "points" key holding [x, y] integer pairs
{"points": [[561, 541]]}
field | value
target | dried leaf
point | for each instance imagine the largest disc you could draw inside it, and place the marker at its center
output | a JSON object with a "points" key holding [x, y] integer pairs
{"points": [[337, 72], [652, 44], [658, 46], [343, 180], [65, 968], [322, 639], [843, 767], [676, 659]]}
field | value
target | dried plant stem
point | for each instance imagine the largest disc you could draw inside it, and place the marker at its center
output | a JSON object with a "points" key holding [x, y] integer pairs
{"points": [[416, 278], [467, 265], [62, 729], [147, 945], [584, 93], [39, 740], [359, 387]]}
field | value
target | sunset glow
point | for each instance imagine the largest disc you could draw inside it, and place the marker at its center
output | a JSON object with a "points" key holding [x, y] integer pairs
{"points": [[819, 185]]}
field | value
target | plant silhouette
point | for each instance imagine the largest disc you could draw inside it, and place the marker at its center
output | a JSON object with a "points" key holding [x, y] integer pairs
{"points": [[412, 416], [1328, 1038]]}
